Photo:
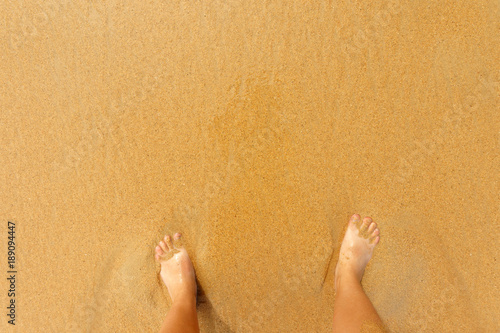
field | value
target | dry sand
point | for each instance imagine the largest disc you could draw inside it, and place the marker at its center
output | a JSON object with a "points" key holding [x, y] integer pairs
{"points": [[255, 129]]}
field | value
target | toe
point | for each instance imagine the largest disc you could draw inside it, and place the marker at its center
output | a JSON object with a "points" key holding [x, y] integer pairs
{"points": [[372, 227], [177, 240], [366, 224], [374, 237], [168, 241], [163, 246], [375, 240], [159, 250], [355, 219]]}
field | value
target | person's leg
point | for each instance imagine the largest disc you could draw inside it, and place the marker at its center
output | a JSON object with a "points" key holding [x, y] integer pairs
{"points": [[178, 275], [352, 308]]}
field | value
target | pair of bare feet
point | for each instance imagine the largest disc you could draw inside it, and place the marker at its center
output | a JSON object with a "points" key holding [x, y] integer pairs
{"points": [[356, 250]]}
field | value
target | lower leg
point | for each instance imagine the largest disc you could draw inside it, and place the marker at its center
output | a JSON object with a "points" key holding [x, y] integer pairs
{"points": [[353, 310], [181, 317], [352, 307]]}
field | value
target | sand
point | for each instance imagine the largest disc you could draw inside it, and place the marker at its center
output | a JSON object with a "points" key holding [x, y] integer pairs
{"points": [[256, 129]]}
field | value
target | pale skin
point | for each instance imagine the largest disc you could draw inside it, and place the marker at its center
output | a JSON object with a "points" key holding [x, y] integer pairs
{"points": [[352, 309], [177, 273]]}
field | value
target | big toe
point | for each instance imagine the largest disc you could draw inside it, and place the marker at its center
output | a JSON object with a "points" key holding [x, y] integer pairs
{"points": [[355, 220], [177, 241]]}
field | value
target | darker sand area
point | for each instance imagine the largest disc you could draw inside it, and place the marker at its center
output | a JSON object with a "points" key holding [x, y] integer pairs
{"points": [[256, 129]]}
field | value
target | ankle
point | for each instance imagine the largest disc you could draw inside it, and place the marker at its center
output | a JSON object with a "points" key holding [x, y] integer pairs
{"points": [[346, 277], [185, 298]]}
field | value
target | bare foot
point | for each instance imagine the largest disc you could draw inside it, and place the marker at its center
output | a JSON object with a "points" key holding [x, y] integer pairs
{"points": [[357, 248], [177, 270]]}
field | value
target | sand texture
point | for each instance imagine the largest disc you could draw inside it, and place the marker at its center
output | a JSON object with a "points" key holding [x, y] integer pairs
{"points": [[255, 128]]}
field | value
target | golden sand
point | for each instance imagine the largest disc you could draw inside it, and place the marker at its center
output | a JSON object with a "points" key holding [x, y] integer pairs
{"points": [[256, 129]]}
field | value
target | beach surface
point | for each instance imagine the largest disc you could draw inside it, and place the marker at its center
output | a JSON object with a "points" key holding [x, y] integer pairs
{"points": [[256, 129]]}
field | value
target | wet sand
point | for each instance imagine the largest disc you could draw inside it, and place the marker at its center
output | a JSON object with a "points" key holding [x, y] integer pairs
{"points": [[255, 129]]}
